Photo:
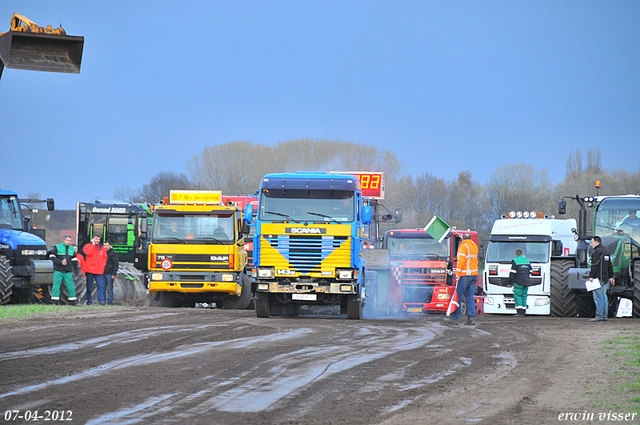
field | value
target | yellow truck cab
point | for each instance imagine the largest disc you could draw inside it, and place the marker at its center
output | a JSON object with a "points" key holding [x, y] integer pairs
{"points": [[196, 252]]}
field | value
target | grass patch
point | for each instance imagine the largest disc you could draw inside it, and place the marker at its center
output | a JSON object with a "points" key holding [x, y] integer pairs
{"points": [[24, 310], [626, 356]]}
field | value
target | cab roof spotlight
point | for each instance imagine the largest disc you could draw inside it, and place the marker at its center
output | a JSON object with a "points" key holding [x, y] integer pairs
{"points": [[512, 214], [525, 214], [519, 214]]}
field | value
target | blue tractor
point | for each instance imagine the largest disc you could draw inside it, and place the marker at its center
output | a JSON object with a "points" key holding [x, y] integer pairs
{"points": [[23, 255]]}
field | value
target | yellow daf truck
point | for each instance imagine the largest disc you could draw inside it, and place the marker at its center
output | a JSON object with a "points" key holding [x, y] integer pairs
{"points": [[196, 252]]}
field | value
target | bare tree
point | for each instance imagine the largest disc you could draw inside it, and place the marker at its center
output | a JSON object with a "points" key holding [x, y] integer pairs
{"points": [[158, 188], [519, 187]]}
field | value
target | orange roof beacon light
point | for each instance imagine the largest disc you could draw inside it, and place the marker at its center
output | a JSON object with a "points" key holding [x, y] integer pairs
{"points": [[597, 187]]}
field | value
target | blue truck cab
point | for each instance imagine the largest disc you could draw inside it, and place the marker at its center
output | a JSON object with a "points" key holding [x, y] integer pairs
{"points": [[23, 255], [307, 243]]}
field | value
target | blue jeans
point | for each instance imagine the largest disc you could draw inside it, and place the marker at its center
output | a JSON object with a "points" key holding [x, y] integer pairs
{"points": [[600, 298], [108, 280], [466, 286], [99, 284]]}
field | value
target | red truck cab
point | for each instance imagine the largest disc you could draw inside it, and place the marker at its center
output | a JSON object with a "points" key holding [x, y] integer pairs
{"points": [[422, 276]]}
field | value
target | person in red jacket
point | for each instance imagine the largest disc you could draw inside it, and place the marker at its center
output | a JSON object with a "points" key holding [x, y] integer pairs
{"points": [[95, 261]]}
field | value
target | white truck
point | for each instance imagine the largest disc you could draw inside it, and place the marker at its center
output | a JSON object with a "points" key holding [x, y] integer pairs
{"points": [[546, 242]]}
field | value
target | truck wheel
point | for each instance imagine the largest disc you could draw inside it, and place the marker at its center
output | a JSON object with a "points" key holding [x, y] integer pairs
{"points": [[262, 305], [233, 302], [6, 280], [585, 306], [21, 295], [636, 289], [354, 307], [563, 299], [163, 299]]}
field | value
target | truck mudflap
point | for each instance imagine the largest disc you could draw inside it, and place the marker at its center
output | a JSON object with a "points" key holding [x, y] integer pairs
{"points": [[41, 272]]}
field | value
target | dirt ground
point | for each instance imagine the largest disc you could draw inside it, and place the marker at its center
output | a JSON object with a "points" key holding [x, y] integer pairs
{"points": [[145, 365]]}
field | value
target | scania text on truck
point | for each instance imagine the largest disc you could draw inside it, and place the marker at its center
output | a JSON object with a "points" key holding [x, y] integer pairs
{"points": [[307, 243], [548, 243], [196, 252], [422, 276]]}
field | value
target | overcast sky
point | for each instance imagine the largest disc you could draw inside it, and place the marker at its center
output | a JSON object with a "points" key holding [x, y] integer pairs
{"points": [[447, 86]]}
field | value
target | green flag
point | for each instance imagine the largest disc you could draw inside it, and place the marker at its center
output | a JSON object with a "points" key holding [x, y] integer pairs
{"points": [[437, 228]]}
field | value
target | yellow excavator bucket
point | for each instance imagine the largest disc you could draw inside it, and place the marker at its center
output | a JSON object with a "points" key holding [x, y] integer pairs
{"points": [[36, 48]]}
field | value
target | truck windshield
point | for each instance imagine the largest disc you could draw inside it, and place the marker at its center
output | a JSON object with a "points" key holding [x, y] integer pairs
{"points": [[179, 228], [426, 248], [306, 205], [618, 216], [504, 252], [10, 213]]}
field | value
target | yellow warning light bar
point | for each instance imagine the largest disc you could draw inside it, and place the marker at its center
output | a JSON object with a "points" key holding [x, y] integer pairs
{"points": [[195, 197]]}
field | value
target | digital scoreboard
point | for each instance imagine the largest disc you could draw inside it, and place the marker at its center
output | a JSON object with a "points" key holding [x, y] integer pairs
{"points": [[371, 183]]}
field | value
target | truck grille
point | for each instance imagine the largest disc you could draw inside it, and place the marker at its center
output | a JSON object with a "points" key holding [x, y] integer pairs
{"points": [[416, 293], [304, 252], [424, 275]]}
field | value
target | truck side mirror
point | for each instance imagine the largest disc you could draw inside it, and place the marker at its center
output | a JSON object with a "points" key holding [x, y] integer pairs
{"points": [[562, 207], [398, 215], [248, 214], [51, 205], [366, 215], [556, 248], [144, 226]]}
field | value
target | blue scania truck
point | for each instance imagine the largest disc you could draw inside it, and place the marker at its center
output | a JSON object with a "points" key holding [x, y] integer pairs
{"points": [[307, 243], [23, 255]]}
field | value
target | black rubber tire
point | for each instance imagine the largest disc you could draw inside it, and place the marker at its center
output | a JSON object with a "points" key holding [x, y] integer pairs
{"points": [[164, 299], [6, 280], [21, 295], [636, 290], [614, 302], [585, 306], [233, 302], [263, 308], [354, 307], [563, 299]]}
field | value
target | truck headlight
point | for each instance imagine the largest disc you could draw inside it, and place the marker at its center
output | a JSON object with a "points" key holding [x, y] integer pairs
{"points": [[156, 276], [344, 274], [346, 288], [265, 272], [488, 300], [263, 286], [227, 277], [542, 301]]}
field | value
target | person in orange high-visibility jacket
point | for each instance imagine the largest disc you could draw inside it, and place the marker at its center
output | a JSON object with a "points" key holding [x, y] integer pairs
{"points": [[466, 276]]}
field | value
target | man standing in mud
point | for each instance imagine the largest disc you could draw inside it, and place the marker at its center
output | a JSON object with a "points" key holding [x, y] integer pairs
{"points": [[601, 269], [467, 276]]}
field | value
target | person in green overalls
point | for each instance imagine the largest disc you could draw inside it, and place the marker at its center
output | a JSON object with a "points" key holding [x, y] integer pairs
{"points": [[65, 263], [519, 277]]}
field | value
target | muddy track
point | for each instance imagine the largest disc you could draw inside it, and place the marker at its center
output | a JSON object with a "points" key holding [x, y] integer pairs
{"points": [[153, 365]]}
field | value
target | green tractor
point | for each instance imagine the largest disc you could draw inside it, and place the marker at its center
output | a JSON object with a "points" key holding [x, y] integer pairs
{"points": [[122, 225], [615, 221]]}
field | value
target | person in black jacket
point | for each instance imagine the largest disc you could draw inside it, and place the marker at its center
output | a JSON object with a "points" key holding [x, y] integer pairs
{"points": [[110, 271], [601, 269], [519, 278]]}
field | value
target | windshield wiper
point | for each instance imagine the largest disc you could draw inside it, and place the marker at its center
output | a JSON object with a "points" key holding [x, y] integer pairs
{"points": [[287, 216], [324, 216], [170, 238]]}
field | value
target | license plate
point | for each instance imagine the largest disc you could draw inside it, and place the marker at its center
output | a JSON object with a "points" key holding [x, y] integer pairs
{"points": [[414, 310], [304, 297]]}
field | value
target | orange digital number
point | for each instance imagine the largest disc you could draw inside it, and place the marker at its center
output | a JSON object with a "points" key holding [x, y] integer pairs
{"points": [[375, 181], [364, 181]]}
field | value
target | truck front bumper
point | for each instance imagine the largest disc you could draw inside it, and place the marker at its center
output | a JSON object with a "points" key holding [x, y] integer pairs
{"points": [[501, 304], [195, 282]]}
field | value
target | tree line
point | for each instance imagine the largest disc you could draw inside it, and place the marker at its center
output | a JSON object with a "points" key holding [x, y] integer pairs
{"points": [[237, 168]]}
